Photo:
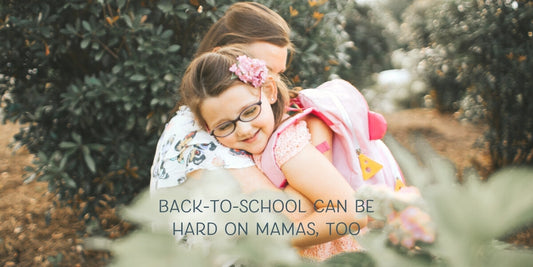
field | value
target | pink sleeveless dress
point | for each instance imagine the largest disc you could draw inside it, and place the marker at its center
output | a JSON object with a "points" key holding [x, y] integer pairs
{"points": [[290, 142]]}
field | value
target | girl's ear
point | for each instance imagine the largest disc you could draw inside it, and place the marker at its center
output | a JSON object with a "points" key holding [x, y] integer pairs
{"points": [[270, 89]]}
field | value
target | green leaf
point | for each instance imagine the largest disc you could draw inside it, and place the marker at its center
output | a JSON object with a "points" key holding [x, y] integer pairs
{"points": [[173, 48], [165, 6], [46, 177], [63, 162], [86, 25], [97, 147], [93, 81], [127, 19], [85, 43], [354, 259], [30, 178], [68, 181], [120, 3], [95, 46], [168, 77], [67, 145], [99, 55], [70, 28], [116, 69], [76, 137], [137, 77], [166, 34], [88, 159], [511, 210]]}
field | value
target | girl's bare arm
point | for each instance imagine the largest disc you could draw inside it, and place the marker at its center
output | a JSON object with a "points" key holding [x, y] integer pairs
{"points": [[315, 177], [320, 133]]}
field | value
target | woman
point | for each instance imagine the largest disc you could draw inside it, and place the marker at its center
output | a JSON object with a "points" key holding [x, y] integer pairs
{"points": [[185, 150]]}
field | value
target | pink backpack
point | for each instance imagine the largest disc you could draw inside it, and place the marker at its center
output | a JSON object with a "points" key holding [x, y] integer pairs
{"points": [[356, 146]]}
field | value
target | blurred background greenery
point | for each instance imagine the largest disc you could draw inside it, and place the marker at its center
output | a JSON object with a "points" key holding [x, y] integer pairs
{"points": [[93, 80], [470, 222]]}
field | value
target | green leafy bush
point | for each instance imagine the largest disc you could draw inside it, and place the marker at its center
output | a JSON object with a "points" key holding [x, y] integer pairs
{"points": [[423, 21], [479, 63], [369, 47], [92, 80], [318, 36]]}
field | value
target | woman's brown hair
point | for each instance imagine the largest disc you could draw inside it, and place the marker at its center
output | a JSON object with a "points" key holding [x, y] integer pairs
{"points": [[245, 23]]}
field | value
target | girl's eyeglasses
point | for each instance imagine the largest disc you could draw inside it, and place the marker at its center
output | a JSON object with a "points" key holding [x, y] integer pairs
{"points": [[248, 114]]}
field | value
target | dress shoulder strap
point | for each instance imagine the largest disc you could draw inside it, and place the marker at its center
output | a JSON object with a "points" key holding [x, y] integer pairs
{"points": [[268, 160]]}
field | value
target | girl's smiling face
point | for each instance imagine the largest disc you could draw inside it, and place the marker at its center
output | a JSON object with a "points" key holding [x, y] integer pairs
{"points": [[250, 136]]}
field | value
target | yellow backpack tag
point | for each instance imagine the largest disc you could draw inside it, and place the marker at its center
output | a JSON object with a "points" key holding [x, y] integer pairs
{"points": [[399, 184], [368, 166]]}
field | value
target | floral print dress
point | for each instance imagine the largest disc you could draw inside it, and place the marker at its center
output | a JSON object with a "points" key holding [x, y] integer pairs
{"points": [[185, 147]]}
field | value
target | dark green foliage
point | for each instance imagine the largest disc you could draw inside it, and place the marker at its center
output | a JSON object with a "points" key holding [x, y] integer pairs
{"points": [[317, 35], [499, 61], [481, 50], [93, 82], [359, 259], [425, 21], [334, 39], [370, 46]]}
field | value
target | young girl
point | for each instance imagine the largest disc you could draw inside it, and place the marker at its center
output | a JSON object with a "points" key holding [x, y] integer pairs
{"points": [[236, 100]]}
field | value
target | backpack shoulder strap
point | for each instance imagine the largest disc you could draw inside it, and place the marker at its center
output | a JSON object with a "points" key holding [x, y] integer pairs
{"points": [[342, 102]]}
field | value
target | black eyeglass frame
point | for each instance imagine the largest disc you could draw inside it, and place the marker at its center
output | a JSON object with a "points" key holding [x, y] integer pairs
{"points": [[234, 122]]}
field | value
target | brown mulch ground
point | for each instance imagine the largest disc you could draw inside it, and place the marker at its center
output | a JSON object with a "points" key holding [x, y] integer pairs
{"points": [[460, 142], [34, 232]]}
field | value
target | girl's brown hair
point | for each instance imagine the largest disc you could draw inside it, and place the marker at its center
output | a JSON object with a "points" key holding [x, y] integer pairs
{"points": [[208, 76], [244, 23]]}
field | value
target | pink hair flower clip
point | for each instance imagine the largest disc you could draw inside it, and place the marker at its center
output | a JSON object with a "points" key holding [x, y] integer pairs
{"points": [[252, 71]]}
